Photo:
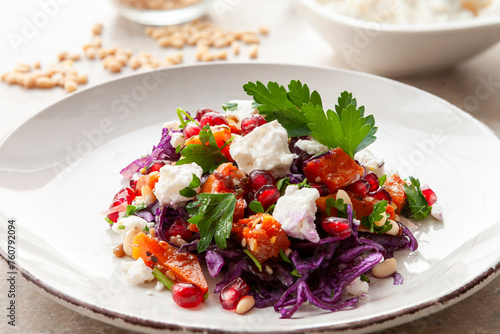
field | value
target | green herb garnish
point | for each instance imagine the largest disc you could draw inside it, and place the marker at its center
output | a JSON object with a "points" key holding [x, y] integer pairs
{"points": [[190, 191], [301, 113], [231, 106], [365, 278], [162, 278], [376, 215], [207, 154], [181, 114], [256, 207], [132, 209], [285, 182], [284, 257], [418, 205], [337, 204], [382, 180], [254, 259], [213, 214], [110, 222]]}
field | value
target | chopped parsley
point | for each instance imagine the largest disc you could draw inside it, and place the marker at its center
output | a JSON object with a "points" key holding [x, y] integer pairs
{"points": [[213, 214], [381, 180], [132, 209], [190, 191], [417, 203], [207, 154], [337, 204], [184, 117], [369, 222]]}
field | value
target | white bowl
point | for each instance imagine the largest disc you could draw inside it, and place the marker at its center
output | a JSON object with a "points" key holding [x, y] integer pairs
{"points": [[395, 50]]}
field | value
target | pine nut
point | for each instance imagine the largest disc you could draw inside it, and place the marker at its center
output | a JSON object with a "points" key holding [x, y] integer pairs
{"points": [[341, 194], [97, 29], [263, 30], [114, 66], [382, 221], [394, 229], [170, 275], [70, 86], [250, 38], [81, 78], [236, 47], [90, 53], [164, 41], [62, 56], [134, 63], [29, 80], [243, 242], [102, 53], [268, 269], [245, 304], [118, 251], [22, 68], [254, 51], [44, 82], [36, 65], [97, 41], [385, 268]]}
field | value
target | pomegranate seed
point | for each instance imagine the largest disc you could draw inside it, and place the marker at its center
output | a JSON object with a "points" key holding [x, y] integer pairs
{"points": [[372, 180], [232, 293], [179, 228], [212, 119], [382, 195], [132, 183], [203, 111], [114, 216], [430, 196], [155, 167], [191, 129], [322, 188], [249, 123], [360, 187], [259, 178], [127, 194], [267, 196], [337, 227], [186, 294]]}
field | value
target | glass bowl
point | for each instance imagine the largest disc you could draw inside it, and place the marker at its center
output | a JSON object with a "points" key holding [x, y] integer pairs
{"points": [[162, 12]]}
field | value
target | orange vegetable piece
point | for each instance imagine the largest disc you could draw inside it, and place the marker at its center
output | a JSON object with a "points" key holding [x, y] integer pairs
{"points": [[146, 180], [395, 187], [362, 206], [228, 179], [263, 236], [221, 135], [336, 169], [185, 266]]}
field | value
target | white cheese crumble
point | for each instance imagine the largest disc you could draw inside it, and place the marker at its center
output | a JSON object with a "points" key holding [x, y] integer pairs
{"points": [[159, 286], [357, 287], [370, 162], [137, 272], [296, 212], [311, 146], [265, 148], [244, 108], [172, 180], [177, 139], [124, 225], [172, 125]]}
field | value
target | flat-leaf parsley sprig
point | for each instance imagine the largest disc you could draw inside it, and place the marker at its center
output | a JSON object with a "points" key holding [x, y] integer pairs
{"points": [[301, 113], [213, 214]]}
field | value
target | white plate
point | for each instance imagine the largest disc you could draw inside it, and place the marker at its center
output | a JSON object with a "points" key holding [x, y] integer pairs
{"points": [[60, 169]]}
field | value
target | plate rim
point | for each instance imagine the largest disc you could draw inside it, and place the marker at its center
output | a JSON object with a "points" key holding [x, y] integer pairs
{"points": [[384, 321]]}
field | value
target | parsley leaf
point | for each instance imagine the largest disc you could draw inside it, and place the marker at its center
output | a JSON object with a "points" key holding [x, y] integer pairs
{"points": [[301, 113], [184, 117], [278, 104], [256, 207], [376, 215], [190, 191], [419, 207], [207, 154], [132, 209], [213, 214], [337, 204], [382, 180], [348, 129], [281, 184], [231, 106]]}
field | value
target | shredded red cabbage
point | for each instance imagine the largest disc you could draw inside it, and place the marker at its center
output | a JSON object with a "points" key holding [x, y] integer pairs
{"points": [[162, 151]]}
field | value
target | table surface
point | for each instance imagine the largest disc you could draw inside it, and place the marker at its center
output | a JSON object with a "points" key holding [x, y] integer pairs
{"points": [[290, 41]]}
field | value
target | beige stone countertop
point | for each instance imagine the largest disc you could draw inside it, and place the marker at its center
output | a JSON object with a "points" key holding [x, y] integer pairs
{"points": [[290, 41]]}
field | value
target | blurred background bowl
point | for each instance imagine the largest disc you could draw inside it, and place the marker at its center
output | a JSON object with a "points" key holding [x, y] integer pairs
{"points": [[397, 50], [162, 12]]}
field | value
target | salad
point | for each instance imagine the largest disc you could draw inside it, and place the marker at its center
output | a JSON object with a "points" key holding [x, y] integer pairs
{"points": [[277, 197]]}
